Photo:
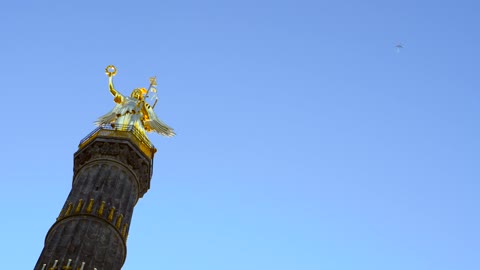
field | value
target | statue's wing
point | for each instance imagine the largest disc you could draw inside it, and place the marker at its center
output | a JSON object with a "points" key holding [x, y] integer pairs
{"points": [[108, 117], [155, 124], [120, 109]]}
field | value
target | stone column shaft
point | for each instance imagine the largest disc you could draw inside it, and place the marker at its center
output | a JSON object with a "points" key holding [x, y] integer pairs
{"points": [[110, 175]]}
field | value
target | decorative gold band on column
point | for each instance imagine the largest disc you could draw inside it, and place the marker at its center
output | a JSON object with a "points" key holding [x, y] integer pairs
{"points": [[79, 206], [119, 221], [69, 209], [110, 214], [113, 218], [67, 266], [90, 206], [100, 210]]}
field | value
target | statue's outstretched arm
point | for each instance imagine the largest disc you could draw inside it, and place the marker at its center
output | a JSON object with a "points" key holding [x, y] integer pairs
{"points": [[110, 86], [111, 71]]}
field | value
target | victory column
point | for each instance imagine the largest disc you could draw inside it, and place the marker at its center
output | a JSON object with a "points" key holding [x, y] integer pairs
{"points": [[112, 170]]}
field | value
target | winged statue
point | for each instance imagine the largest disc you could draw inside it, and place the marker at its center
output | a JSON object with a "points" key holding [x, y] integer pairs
{"points": [[134, 110]]}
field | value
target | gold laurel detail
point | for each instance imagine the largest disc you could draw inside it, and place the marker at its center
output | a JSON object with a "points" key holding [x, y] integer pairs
{"points": [[110, 214], [119, 221], [90, 206], [69, 209], [79, 206], [100, 210], [111, 70]]}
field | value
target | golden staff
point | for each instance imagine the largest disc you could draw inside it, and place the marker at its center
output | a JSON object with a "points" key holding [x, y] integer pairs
{"points": [[153, 82]]}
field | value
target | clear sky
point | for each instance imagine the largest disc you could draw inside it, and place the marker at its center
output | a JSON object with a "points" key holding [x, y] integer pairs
{"points": [[305, 140]]}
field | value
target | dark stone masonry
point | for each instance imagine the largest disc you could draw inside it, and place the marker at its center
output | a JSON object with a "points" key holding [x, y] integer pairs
{"points": [[112, 170]]}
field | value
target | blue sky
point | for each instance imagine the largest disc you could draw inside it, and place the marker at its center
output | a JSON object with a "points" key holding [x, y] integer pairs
{"points": [[305, 141]]}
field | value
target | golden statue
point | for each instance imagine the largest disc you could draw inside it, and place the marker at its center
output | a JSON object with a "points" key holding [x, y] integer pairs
{"points": [[134, 111]]}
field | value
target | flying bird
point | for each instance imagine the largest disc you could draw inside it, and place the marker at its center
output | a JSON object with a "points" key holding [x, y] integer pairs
{"points": [[398, 47]]}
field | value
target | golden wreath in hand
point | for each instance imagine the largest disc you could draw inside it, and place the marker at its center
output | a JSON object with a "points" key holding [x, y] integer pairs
{"points": [[111, 70]]}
